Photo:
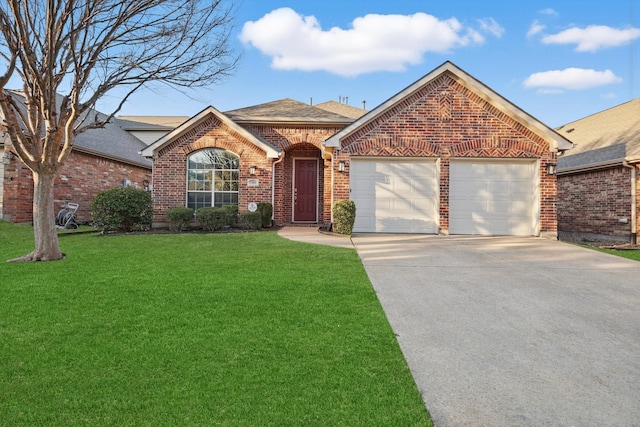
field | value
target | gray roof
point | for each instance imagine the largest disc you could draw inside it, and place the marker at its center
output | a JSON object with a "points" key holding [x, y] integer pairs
{"points": [[151, 122], [111, 142], [286, 111], [270, 150], [342, 109], [603, 139]]}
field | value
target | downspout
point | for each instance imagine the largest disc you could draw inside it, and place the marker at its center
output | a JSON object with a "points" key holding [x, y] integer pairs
{"points": [[273, 187], [324, 151], [634, 219]]}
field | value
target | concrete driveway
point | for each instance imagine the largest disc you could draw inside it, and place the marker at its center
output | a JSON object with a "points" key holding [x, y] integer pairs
{"points": [[505, 331]]}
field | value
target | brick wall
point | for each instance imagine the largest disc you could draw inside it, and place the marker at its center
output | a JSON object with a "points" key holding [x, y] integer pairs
{"points": [[298, 142], [594, 201], [81, 178], [170, 167], [442, 120]]}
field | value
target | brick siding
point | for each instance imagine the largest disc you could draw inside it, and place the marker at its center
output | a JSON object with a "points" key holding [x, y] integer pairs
{"points": [[445, 120], [594, 201], [442, 120], [170, 167], [81, 178]]}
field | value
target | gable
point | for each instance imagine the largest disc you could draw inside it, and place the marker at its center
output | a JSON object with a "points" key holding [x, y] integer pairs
{"points": [[208, 120], [448, 106]]}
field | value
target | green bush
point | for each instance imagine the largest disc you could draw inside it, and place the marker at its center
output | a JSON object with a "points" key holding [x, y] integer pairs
{"points": [[231, 212], [212, 218], [344, 215], [266, 211], [179, 218], [251, 220], [122, 209]]}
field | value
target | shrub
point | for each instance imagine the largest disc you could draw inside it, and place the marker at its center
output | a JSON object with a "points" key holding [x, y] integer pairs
{"points": [[231, 212], [122, 209], [251, 220], [212, 218], [179, 218], [344, 215], [266, 210]]}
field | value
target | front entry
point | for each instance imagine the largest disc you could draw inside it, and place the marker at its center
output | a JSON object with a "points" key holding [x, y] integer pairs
{"points": [[305, 190]]}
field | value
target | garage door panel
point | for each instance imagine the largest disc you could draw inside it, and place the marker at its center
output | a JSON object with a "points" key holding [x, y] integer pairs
{"points": [[492, 197], [394, 195]]}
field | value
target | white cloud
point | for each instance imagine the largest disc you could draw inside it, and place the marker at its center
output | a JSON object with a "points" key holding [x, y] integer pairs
{"points": [[593, 37], [571, 78], [536, 27], [490, 26], [550, 91], [372, 43], [548, 11]]}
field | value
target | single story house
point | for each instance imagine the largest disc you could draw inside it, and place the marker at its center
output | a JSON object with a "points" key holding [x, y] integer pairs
{"points": [[598, 180], [445, 155], [101, 159]]}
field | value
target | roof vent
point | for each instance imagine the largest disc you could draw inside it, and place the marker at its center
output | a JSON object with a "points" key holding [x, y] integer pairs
{"points": [[570, 130]]}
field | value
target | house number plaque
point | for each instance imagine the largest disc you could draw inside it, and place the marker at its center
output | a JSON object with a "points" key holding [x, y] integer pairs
{"points": [[253, 182], [252, 207]]}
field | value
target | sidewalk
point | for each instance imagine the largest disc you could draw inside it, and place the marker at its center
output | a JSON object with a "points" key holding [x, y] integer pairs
{"points": [[313, 235]]}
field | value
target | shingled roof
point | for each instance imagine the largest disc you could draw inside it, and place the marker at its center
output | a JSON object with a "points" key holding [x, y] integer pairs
{"points": [[112, 141], [151, 122], [603, 139], [342, 109], [286, 111]]}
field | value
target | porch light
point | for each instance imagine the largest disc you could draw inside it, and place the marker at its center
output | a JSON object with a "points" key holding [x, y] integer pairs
{"points": [[7, 157], [252, 170], [341, 165], [552, 168]]}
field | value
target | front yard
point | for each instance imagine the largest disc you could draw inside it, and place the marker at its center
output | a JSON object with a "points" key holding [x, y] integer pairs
{"points": [[243, 329], [625, 253]]}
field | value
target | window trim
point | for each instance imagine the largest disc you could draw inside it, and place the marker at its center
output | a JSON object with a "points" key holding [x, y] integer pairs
{"points": [[213, 171]]}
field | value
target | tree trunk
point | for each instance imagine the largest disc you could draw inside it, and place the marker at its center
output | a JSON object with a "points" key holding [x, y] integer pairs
{"points": [[47, 247]]}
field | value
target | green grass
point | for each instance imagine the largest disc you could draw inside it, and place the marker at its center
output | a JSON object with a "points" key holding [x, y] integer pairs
{"points": [[633, 254], [243, 329]]}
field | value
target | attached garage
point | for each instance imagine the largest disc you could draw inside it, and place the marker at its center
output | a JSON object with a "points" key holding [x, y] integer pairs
{"points": [[395, 195], [494, 197]]}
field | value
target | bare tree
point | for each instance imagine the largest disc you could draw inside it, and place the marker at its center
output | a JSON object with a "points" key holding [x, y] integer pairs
{"points": [[70, 53]]}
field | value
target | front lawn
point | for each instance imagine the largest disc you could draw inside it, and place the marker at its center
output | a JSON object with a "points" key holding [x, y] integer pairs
{"points": [[625, 253], [244, 329]]}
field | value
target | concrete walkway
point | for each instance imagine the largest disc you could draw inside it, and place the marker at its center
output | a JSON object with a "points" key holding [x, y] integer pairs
{"points": [[312, 235], [509, 331]]}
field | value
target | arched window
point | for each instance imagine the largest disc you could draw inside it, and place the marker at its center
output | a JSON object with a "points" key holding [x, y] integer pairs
{"points": [[212, 178]]}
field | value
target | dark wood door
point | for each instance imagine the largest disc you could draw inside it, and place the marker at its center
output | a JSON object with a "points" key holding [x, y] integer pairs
{"points": [[305, 190]]}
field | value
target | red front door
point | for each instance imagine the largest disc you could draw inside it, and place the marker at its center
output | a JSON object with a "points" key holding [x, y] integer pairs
{"points": [[305, 190]]}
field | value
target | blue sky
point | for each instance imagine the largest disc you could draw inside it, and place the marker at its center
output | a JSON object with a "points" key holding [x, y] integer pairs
{"points": [[557, 60]]}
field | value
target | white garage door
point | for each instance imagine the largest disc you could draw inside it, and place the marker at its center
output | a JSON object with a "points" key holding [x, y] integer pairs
{"points": [[395, 195], [498, 197]]}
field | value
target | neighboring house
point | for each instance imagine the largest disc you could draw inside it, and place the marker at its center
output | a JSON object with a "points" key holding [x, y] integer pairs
{"points": [[101, 159], [445, 155], [598, 179]]}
